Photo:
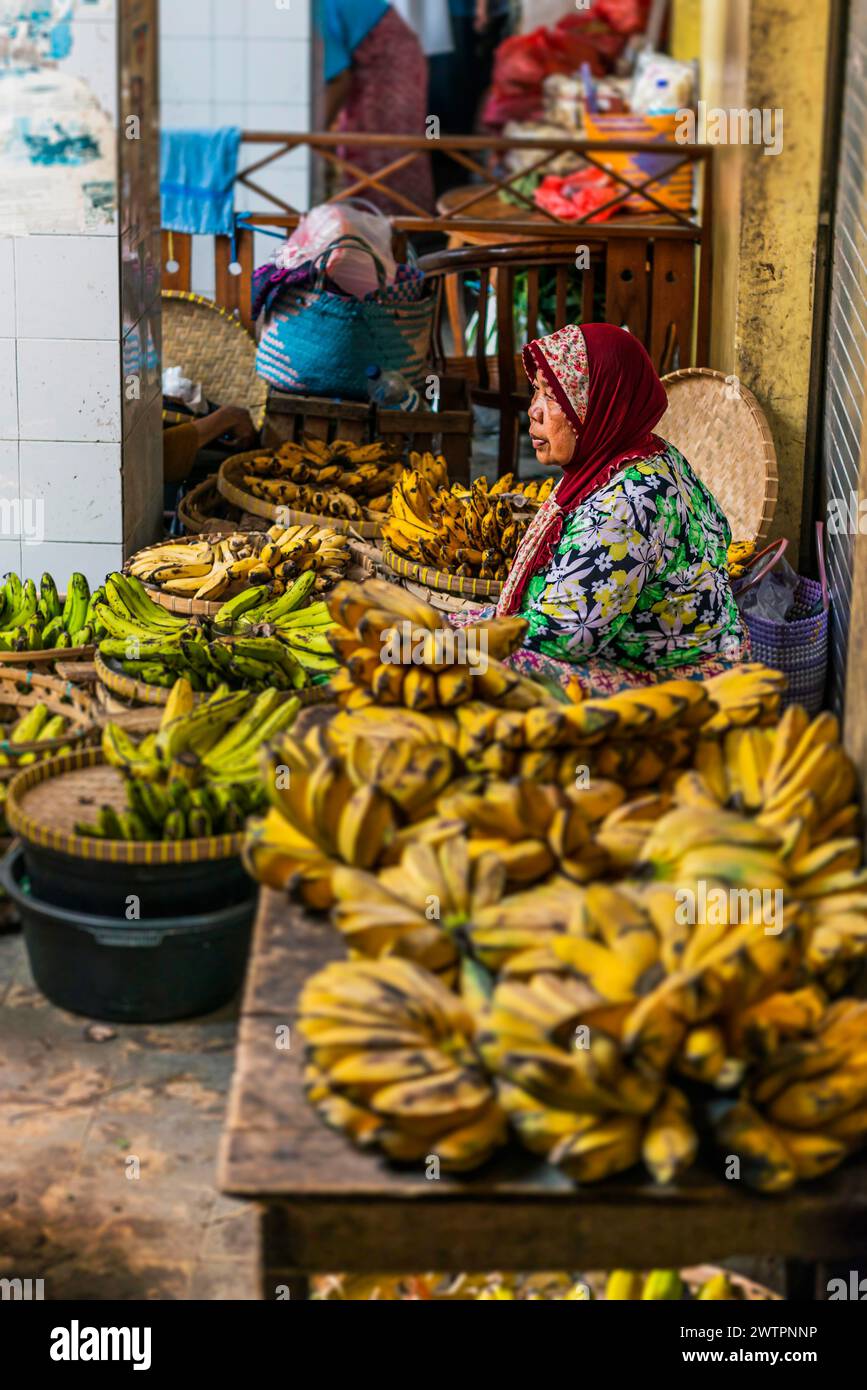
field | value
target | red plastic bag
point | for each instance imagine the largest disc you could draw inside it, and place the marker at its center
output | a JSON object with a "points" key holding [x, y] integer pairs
{"points": [[577, 195], [523, 61]]}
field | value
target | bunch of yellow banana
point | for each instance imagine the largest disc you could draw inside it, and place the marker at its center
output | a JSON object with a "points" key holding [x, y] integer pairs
{"points": [[391, 1062], [747, 694], [794, 771], [805, 1110], [220, 567], [562, 1075], [398, 650], [531, 827], [469, 533], [417, 908], [738, 554], [319, 818], [328, 479], [534, 490]]}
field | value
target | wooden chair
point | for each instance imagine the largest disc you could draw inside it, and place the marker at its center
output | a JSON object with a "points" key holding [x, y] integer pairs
{"points": [[720, 428], [622, 283]]}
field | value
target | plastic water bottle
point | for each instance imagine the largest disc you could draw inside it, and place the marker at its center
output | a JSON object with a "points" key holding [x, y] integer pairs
{"points": [[390, 390]]}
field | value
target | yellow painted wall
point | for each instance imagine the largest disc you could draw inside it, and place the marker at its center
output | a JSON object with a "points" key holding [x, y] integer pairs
{"points": [[685, 29], [756, 53]]}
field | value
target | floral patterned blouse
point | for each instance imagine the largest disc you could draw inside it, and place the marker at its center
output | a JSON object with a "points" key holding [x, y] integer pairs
{"points": [[639, 573]]}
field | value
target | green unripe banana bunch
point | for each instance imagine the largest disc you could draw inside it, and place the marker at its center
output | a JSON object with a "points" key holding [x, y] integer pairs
{"points": [[254, 643], [32, 620], [198, 775], [37, 725]]}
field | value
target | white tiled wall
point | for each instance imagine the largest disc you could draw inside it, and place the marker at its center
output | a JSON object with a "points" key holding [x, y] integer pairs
{"points": [[72, 450], [244, 63]]}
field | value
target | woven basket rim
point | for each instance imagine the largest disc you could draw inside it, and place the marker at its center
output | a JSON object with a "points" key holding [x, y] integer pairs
{"points": [[256, 402], [40, 658], [441, 580], [105, 851], [128, 688], [273, 511], [772, 476]]}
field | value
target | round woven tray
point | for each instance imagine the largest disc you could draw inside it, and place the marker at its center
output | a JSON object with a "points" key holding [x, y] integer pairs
{"points": [[21, 691], [229, 484], [128, 689], [46, 800], [721, 430], [176, 603], [203, 511], [440, 579], [213, 348]]}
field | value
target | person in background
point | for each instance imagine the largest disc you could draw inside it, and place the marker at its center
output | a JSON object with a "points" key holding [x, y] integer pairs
{"points": [[376, 82], [431, 21], [181, 443], [460, 79]]}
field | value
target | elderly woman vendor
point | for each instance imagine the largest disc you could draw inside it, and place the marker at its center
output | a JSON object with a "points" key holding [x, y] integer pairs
{"points": [[622, 574]]}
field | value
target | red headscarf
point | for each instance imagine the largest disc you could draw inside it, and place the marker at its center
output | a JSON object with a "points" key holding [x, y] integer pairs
{"points": [[606, 385]]}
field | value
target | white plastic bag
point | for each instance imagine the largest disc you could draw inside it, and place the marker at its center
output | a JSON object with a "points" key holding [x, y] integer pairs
{"points": [[350, 267]]}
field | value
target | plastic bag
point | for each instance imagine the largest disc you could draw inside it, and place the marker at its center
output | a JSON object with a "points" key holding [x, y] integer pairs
{"points": [[773, 596], [523, 61], [577, 195], [180, 388], [350, 267], [660, 85]]}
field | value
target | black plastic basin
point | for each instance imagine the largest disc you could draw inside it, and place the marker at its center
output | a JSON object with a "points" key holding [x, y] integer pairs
{"points": [[130, 971]]}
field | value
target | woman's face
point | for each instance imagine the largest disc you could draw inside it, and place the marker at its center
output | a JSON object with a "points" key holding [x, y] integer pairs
{"points": [[552, 436]]}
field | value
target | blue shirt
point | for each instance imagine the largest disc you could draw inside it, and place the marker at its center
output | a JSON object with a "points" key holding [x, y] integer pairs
{"points": [[344, 24]]}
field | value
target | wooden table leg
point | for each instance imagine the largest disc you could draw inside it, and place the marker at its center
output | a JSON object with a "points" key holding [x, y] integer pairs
{"points": [[799, 1280], [278, 1278]]}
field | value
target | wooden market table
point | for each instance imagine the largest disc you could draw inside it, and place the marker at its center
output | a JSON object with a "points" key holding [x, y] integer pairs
{"points": [[327, 1207]]}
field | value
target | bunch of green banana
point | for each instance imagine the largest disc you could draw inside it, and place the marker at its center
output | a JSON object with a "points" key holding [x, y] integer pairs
{"points": [[198, 774], [38, 725], [157, 647], [32, 620]]}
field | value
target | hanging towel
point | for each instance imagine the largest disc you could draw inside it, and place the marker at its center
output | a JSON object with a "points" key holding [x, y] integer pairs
{"points": [[197, 180]]}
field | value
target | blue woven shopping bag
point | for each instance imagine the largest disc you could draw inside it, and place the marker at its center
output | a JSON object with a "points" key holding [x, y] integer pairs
{"points": [[321, 344]]}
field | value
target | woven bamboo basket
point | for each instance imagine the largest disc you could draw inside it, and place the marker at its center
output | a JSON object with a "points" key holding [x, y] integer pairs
{"points": [[18, 695], [439, 580], [228, 480], [203, 511], [720, 428], [136, 692], [176, 603], [46, 800], [213, 348]]}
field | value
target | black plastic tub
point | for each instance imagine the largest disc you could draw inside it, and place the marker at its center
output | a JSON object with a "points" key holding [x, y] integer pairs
{"points": [[130, 971], [163, 890]]}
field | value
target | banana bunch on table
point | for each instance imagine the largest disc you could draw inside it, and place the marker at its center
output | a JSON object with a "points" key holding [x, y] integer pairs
{"points": [[222, 566], [398, 650], [336, 479], [198, 774], [37, 620], [471, 534], [150, 644]]}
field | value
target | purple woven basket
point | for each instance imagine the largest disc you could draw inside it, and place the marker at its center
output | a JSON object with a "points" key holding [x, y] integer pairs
{"points": [[798, 647]]}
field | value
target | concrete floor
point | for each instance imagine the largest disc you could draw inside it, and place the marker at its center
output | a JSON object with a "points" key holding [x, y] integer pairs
{"points": [[84, 1108]]}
